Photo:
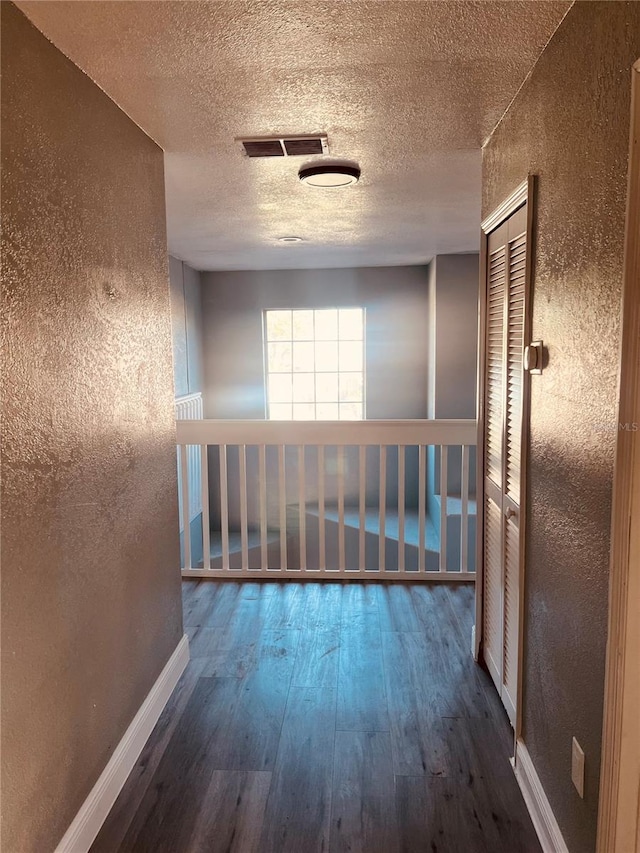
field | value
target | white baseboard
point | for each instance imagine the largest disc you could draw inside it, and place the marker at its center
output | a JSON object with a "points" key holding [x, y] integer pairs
{"points": [[542, 816], [93, 812]]}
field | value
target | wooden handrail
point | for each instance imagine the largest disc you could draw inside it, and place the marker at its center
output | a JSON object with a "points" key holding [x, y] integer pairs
{"points": [[328, 433]]}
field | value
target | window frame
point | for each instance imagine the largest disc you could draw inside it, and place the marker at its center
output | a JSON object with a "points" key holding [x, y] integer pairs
{"points": [[265, 357]]}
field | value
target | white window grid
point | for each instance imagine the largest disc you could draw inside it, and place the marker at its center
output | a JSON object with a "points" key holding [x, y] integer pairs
{"points": [[315, 363]]}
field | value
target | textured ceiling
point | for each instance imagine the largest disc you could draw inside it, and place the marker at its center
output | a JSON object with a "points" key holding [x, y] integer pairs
{"points": [[410, 90]]}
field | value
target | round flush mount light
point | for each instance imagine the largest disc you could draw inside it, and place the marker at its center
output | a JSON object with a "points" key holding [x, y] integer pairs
{"points": [[329, 175], [290, 239]]}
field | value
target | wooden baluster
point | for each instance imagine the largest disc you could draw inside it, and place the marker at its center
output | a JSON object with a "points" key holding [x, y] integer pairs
{"points": [[206, 521], [224, 507], [244, 526], [302, 508], [341, 548], [444, 475], [422, 507], [186, 525], [382, 510], [322, 560], [282, 500], [362, 527], [464, 517], [262, 486], [401, 490]]}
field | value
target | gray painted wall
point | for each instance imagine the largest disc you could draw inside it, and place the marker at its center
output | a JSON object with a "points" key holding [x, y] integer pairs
{"points": [[452, 359], [186, 327], [395, 299], [453, 336], [570, 126]]}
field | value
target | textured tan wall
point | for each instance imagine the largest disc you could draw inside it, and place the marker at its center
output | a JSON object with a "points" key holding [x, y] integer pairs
{"points": [[90, 584], [570, 126]]}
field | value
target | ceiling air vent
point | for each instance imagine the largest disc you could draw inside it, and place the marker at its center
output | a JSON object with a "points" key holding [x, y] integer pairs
{"points": [[299, 147], [263, 148], [285, 146]]}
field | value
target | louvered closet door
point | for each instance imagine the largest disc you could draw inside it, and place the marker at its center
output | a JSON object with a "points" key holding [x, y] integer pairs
{"points": [[504, 341]]}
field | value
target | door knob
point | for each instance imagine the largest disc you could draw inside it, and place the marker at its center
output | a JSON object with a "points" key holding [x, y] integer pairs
{"points": [[510, 513]]}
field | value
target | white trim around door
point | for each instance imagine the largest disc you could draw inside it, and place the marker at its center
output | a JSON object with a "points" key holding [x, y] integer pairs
{"points": [[619, 809], [509, 497]]}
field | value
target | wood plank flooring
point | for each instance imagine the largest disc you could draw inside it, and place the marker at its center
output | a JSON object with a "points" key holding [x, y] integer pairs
{"points": [[326, 718]]}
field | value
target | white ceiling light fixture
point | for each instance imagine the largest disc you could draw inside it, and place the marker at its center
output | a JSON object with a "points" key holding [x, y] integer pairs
{"points": [[290, 239], [329, 175]]}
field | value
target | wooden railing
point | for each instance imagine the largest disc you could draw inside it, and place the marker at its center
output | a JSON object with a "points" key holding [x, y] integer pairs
{"points": [[331, 499], [189, 408]]}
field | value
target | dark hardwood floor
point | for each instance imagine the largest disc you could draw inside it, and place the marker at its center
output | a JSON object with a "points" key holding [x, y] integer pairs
{"points": [[326, 717]]}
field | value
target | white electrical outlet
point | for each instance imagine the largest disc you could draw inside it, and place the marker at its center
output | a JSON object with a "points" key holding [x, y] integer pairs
{"points": [[577, 766]]}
